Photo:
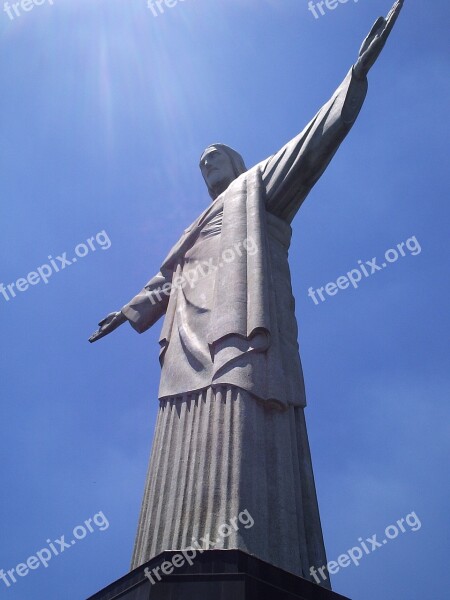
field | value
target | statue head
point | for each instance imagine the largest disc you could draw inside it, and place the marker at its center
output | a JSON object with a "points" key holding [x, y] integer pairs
{"points": [[220, 165]]}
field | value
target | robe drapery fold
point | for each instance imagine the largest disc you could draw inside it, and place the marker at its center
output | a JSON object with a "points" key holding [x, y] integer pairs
{"points": [[203, 473]]}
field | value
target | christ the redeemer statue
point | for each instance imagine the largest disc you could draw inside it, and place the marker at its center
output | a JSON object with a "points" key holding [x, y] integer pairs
{"points": [[230, 433]]}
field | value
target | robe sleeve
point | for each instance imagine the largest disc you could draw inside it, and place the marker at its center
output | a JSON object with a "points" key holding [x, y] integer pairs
{"points": [[290, 174], [152, 301], [150, 304]]}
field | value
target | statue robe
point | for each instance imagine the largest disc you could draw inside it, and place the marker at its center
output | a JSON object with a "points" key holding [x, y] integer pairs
{"points": [[230, 433]]}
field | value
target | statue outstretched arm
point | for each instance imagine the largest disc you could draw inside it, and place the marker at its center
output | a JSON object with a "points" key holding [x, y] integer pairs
{"points": [[290, 174], [150, 304], [142, 311]]}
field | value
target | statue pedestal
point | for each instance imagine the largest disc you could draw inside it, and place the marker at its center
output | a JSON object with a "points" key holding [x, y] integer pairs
{"points": [[213, 575]]}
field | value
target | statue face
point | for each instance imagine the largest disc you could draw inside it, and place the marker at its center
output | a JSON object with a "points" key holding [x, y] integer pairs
{"points": [[217, 169]]}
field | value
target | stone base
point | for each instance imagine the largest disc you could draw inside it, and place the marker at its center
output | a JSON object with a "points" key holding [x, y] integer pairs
{"points": [[214, 575]]}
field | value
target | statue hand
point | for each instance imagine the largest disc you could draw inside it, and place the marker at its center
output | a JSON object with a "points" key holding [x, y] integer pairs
{"points": [[108, 324], [375, 41]]}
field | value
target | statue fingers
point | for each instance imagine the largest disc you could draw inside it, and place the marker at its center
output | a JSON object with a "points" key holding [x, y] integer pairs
{"points": [[395, 10], [107, 319], [377, 27], [393, 16], [94, 337]]}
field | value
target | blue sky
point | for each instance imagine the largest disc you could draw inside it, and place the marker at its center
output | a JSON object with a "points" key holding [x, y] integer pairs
{"points": [[104, 111]]}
